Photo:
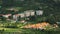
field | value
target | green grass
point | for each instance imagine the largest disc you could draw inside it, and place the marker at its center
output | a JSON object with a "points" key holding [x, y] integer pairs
{"points": [[27, 31], [23, 31]]}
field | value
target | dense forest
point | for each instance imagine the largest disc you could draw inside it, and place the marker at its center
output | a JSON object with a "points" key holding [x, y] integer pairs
{"points": [[46, 5]]}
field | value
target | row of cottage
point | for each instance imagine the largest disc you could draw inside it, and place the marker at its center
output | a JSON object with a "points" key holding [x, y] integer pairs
{"points": [[24, 14]]}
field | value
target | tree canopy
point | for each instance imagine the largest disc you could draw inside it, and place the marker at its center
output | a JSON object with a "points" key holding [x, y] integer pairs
{"points": [[49, 6]]}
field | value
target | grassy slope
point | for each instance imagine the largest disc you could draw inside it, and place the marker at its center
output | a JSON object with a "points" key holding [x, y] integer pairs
{"points": [[28, 31]]}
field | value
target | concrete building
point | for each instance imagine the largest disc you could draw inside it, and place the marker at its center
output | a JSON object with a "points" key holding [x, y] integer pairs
{"points": [[39, 12], [29, 13]]}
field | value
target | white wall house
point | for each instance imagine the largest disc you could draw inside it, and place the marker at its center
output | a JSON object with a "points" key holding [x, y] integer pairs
{"points": [[26, 13], [32, 13], [6, 16], [22, 15], [29, 13], [15, 17], [39, 12]]}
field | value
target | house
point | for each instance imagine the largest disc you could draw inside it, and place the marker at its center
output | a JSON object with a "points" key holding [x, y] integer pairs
{"points": [[22, 15], [6, 16], [58, 22], [26, 13], [32, 12], [15, 17], [39, 12], [29, 13]]}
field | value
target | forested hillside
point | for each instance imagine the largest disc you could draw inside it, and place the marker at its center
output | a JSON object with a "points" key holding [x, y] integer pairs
{"points": [[48, 6], [30, 16]]}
